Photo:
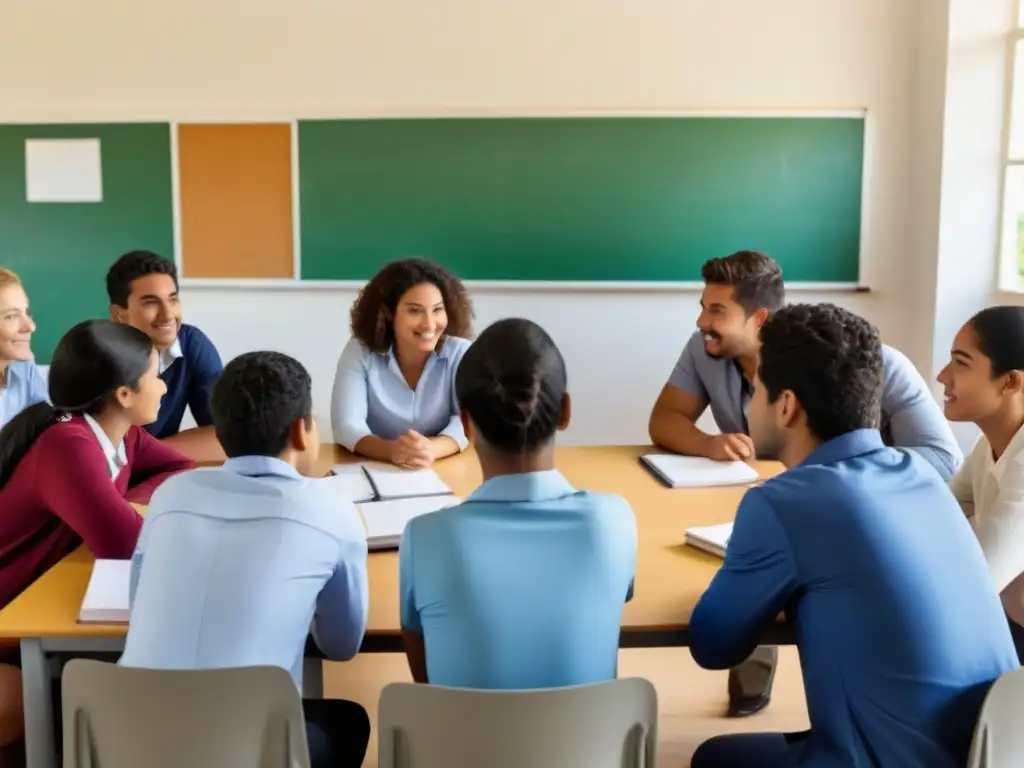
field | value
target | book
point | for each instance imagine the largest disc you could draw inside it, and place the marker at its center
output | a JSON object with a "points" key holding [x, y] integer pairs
{"points": [[106, 598], [352, 482], [697, 471], [391, 482], [710, 538], [385, 520]]}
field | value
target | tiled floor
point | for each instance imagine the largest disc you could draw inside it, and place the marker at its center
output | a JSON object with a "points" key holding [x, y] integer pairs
{"points": [[691, 701]]}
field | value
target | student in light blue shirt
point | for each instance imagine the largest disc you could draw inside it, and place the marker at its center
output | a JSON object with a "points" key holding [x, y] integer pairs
{"points": [[21, 384], [523, 584], [234, 564], [864, 549], [394, 391]]}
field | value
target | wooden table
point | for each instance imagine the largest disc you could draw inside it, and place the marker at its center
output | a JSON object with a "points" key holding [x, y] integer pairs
{"points": [[670, 578]]}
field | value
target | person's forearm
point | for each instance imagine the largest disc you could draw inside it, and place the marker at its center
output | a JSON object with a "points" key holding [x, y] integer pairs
{"points": [[677, 433], [443, 446], [373, 447], [199, 443]]}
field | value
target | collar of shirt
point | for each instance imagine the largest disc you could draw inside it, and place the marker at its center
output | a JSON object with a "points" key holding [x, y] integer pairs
{"points": [[169, 355], [845, 447], [117, 459], [1010, 455], [257, 466], [527, 486]]}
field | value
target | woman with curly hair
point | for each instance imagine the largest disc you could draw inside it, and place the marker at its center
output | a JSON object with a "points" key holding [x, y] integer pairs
{"points": [[394, 392]]}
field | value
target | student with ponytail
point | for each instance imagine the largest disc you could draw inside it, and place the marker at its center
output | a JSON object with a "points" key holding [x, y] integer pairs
{"points": [[548, 567], [984, 384]]}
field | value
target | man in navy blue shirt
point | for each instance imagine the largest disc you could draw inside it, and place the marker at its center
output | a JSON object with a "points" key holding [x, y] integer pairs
{"points": [[143, 291], [868, 555]]}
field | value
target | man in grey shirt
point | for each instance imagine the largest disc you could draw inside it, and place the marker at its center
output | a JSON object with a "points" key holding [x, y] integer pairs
{"points": [[717, 367]]}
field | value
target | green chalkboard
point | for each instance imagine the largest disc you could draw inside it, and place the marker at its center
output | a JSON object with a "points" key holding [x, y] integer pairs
{"points": [[581, 199], [62, 250]]}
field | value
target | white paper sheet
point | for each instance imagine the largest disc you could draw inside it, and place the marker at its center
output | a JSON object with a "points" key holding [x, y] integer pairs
{"points": [[63, 171], [106, 598]]}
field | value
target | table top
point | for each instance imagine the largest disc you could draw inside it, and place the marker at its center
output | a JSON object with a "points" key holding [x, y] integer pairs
{"points": [[670, 576]]}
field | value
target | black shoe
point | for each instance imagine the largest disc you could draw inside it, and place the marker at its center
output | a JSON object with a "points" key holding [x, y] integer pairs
{"points": [[750, 687]]}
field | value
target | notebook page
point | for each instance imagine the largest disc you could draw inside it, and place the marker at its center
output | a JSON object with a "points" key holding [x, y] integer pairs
{"points": [[385, 520], [698, 472], [393, 482], [106, 597], [710, 538], [351, 482]]}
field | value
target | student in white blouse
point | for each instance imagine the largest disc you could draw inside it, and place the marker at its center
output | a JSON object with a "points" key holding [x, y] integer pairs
{"points": [[394, 391], [984, 383]]}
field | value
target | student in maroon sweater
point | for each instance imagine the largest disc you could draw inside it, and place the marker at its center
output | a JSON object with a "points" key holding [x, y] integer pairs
{"points": [[68, 471]]}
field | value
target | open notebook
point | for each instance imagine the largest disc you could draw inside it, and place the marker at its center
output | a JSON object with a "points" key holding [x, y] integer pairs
{"points": [[373, 481], [697, 471], [385, 520], [106, 597], [710, 538]]}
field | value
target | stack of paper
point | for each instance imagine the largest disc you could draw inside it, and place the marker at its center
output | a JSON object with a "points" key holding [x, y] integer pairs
{"points": [[697, 471], [385, 520], [710, 538], [106, 598]]}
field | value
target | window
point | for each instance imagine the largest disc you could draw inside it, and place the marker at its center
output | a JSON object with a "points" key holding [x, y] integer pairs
{"points": [[1012, 235]]}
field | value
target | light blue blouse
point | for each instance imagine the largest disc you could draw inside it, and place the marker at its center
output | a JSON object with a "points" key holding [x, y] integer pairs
{"points": [[371, 397], [25, 387]]}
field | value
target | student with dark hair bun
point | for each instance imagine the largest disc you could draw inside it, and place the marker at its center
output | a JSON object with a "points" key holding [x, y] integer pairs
{"points": [[550, 566], [984, 384]]}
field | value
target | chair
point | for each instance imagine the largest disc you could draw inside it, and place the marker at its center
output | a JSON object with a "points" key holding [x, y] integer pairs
{"points": [[121, 717], [604, 725], [998, 737]]}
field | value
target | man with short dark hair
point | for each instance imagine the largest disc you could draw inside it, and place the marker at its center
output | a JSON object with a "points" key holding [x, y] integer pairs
{"points": [[143, 292], [863, 547], [717, 368], [234, 561]]}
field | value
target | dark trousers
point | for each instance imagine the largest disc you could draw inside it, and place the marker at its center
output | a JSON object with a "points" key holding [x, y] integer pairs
{"points": [[337, 731], [750, 750]]}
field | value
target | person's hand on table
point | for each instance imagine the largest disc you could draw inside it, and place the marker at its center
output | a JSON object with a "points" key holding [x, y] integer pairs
{"points": [[730, 447], [412, 451]]}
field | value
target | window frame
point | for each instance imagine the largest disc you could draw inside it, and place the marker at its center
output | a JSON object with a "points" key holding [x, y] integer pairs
{"points": [[1009, 243]]}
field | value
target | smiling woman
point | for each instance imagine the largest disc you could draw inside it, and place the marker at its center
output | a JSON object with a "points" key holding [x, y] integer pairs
{"points": [[21, 384], [394, 394]]}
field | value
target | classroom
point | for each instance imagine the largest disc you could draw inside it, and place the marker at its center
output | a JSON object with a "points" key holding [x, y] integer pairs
{"points": [[230, 136]]}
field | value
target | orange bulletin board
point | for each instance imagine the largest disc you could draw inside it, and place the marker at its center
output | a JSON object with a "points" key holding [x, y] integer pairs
{"points": [[236, 211]]}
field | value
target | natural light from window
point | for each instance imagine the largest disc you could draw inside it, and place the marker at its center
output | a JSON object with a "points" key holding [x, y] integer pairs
{"points": [[1012, 255]]}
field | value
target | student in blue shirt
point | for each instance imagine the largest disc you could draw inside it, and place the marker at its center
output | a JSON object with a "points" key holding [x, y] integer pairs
{"points": [[233, 562], [21, 384], [523, 584], [143, 291], [394, 392], [866, 552], [716, 370]]}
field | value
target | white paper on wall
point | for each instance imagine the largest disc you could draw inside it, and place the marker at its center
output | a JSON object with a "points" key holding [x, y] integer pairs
{"points": [[63, 171]]}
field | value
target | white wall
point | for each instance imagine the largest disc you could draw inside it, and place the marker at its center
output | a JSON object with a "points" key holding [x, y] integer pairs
{"points": [[115, 59]]}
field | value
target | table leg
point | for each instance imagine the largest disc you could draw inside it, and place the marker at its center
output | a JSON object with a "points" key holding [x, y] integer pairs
{"points": [[37, 694], [312, 678]]}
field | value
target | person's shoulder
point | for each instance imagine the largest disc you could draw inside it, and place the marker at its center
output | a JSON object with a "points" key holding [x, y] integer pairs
{"points": [[455, 347], [317, 503], [897, 366], [355, 349], [609, 506], [193, 341], [71, 437]]}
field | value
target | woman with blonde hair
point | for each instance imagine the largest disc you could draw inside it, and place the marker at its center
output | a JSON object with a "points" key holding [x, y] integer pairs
{"points": [[21, 384]]}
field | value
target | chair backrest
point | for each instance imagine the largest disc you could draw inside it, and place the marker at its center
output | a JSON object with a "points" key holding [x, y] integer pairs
{"points": [[998, 737], [122, 717], [604, 725]]}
